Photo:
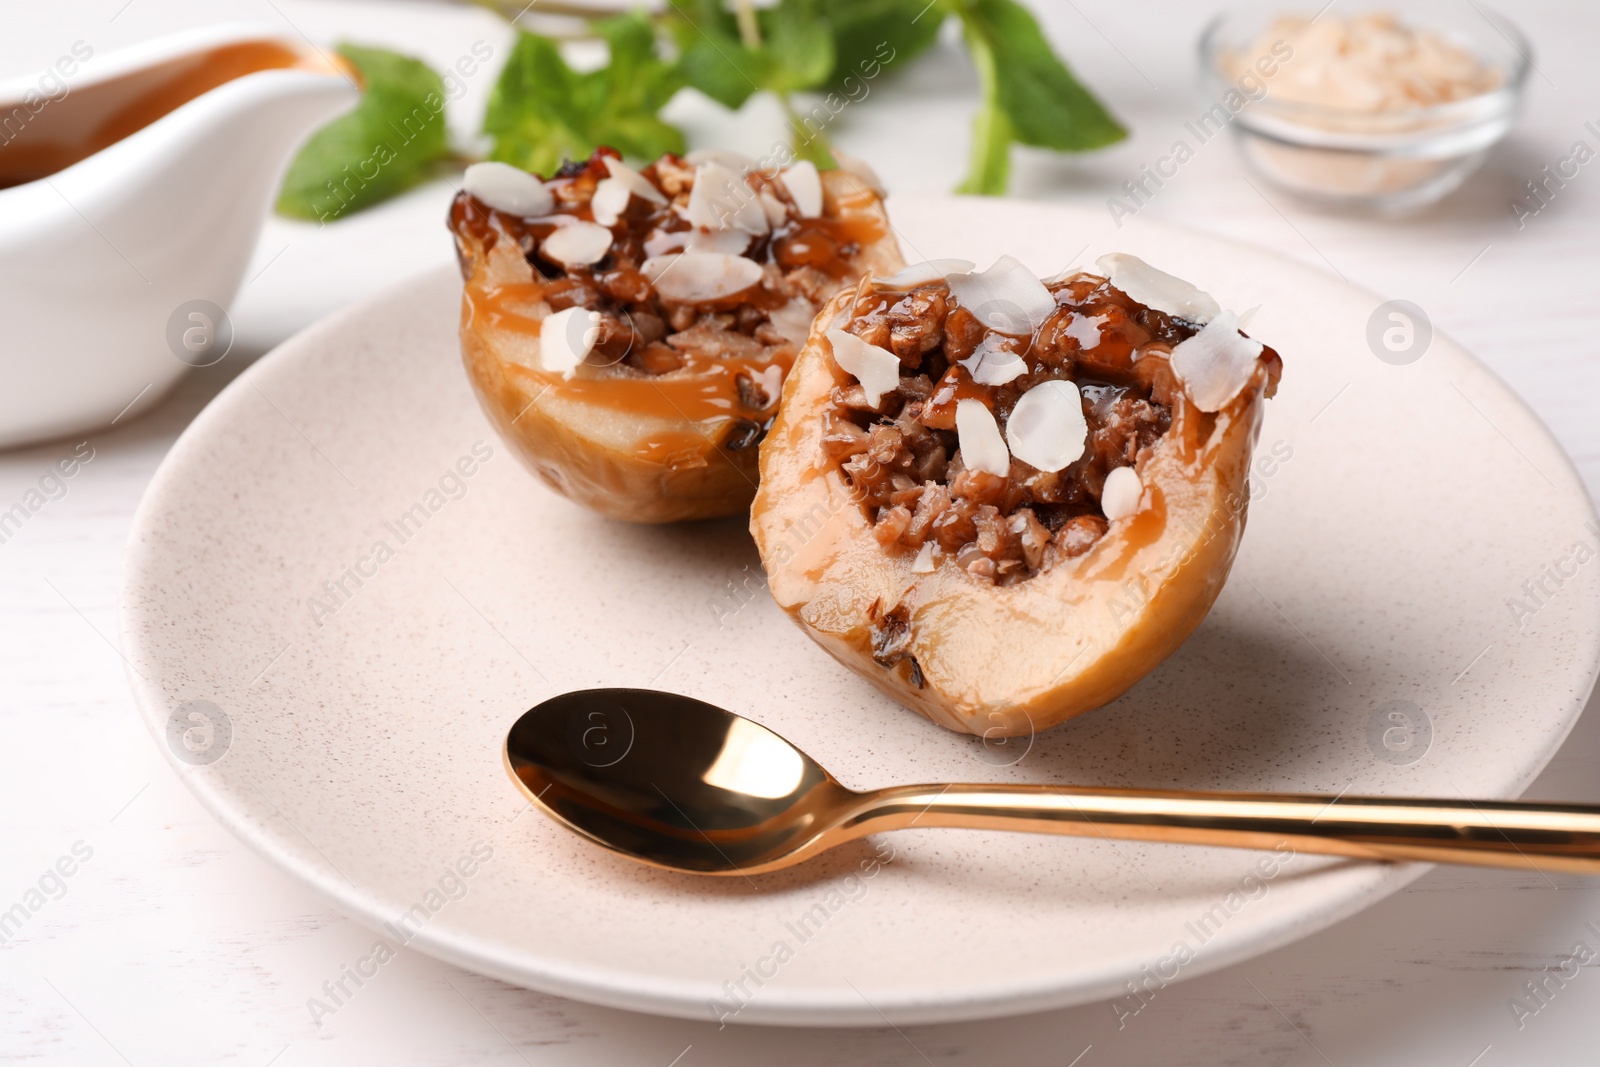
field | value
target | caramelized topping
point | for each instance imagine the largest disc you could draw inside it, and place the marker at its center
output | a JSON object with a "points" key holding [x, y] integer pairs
{"points": [[696, 321], [998, 517]]}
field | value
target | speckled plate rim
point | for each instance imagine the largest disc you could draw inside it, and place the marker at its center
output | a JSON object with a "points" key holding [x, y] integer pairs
{"points": [[1366, 884]]}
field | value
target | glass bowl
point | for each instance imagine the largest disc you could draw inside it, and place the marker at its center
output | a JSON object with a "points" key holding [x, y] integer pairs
{"points": [[1388, 161]]}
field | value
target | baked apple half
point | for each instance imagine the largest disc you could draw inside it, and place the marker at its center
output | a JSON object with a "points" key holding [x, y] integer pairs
{"points": [[1004, 501], [629, 331]]}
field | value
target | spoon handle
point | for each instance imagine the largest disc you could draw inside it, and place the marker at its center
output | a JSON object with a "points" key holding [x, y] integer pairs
{"points": [[1551, 837]]}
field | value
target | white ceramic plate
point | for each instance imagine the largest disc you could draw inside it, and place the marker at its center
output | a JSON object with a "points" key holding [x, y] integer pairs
{"points": [[359, 730]]}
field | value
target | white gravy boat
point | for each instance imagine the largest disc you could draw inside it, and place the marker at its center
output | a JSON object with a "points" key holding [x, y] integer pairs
{"points": [[138, 183]]}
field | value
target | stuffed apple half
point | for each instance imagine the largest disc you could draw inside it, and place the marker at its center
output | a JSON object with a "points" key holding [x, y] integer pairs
{"points": [[1004, 501], [628, 331]]}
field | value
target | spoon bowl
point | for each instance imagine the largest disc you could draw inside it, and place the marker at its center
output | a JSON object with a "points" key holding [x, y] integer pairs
{"points": [[672, 781], [677, 783]]}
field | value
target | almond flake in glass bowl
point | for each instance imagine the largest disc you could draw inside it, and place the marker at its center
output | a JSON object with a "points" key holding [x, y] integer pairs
{"points": [[1384, 110]]}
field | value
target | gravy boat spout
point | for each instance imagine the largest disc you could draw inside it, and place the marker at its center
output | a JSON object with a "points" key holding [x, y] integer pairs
{"points": [[142, 185]]}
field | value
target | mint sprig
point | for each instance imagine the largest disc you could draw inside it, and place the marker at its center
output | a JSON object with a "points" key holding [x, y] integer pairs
{"points": [[783, 49], [1030, 96], [542, 111]]}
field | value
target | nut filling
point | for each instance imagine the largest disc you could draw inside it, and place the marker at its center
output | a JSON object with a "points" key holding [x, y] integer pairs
{"points": [[898, 441], [722, 280]]}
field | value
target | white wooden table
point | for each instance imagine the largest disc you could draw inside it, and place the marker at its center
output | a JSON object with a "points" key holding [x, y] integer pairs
{"points": [[172, 944]]}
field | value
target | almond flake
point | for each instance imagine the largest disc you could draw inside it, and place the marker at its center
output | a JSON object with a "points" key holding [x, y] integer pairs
{"points": [[805, 188], [777, 211], [923, 564], [509, 189], [1157, 289], [660, 242], [700, 277], [1216, 363], [1047, 429], [634, 182], [978, 437], [566, 338], [877, 369], [793, 320], [733, 242], [610, 200], [578, 245], [934, 270], [1006, 298], [722, 200], [1122, 494], [992, 363]]}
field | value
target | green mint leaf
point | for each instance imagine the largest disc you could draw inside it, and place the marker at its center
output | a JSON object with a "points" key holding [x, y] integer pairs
{"points": [[796, 50], [636, 82], [1045, 104], [531, 112], [711, 56], [872, 36], [723, 69], [542, 112], [385, 146], [798, 38]]}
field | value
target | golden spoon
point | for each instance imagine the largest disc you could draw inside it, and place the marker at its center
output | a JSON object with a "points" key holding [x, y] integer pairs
{"points": [[684, 785]]}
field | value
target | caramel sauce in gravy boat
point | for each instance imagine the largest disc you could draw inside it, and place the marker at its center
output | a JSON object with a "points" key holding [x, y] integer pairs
{"points": [[132, 184]]}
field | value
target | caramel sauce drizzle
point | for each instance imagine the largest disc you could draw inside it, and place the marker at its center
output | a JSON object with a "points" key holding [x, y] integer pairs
{"points": [[703, 389]]}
